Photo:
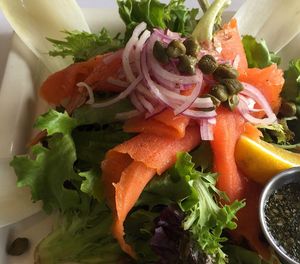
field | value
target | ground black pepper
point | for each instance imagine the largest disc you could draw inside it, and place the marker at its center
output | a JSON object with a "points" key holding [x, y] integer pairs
{"points": [[282, 212]]}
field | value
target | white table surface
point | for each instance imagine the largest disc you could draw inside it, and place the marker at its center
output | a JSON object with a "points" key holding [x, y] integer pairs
{"points": [[6, 30]]}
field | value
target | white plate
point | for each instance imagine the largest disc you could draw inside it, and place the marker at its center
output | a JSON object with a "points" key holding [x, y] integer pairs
{"points": [[19, 105]]}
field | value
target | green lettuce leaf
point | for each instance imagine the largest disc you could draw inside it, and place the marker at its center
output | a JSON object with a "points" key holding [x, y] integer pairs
{"points": [[91, 184], [174, 16], [197, 197], [207, 219], [93, 141], [278, 133], [81, 238], [45, 172], [291, 93], [82, 46], [51, 171], [55, 122], [91, 115], [291, 89], [258, 54]]}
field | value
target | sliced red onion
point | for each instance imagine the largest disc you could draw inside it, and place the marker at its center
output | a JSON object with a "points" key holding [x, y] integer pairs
{"points": [[163, 37], [203, 103], [174, 35], [206, 131], [121, 95], [89, 90], [117, 82], [244, 110], [189, 100], [132, 42], [135, 101], [253, 92], [200, 114], [236, 61], [250, 104], [154, 87], [127, 115], [158, 109], [145, 103], [138, 49], [212, 121], [168, 84]]}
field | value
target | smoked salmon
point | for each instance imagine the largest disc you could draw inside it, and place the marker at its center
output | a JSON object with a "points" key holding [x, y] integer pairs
{"points": [[128, 167], [95, 72], [162, 124]]}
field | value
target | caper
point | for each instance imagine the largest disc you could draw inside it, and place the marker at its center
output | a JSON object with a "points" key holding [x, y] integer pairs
{"points": [[225, 71], [192, 46], [186, 65], [207, 64], [233, 86], [18, 246], [175, 49], [233, 101], [159, 52], [288, 109], [219, 91]]}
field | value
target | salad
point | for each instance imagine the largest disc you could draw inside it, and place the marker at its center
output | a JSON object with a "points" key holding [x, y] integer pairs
{"points": [[145, 155]]}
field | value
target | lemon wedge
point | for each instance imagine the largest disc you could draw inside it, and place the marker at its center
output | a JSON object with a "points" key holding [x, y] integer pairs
{"points": [[260, 161]]}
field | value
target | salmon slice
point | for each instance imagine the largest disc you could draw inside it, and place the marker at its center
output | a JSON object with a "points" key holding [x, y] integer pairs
{"points": [[231, 45], [162, 124], [248, 225], [109, 68], [62, 84], [95, 72], [268, 80], [128, 168], [227, 130], [229, 127]]}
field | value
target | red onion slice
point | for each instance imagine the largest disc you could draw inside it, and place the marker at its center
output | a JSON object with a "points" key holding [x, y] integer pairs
{"points": [[89, 90], [253, 92], [132, 42], [203, 103], [206, 131], [127, 115], [200, 114], [158, 109], [212, 121], [145, 103], [117, 82], [166, 38], [121, 95], [135, 101], [250, 104], [189, 100], [244, 110], [138, 49], [154, 87]]}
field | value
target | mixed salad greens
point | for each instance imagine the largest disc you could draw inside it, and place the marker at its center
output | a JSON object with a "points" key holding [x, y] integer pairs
{"points": [[180, 216]]}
